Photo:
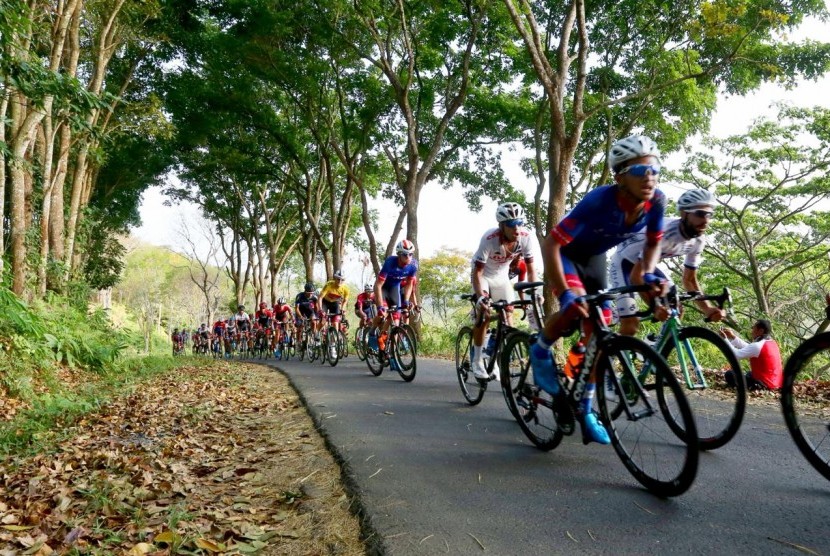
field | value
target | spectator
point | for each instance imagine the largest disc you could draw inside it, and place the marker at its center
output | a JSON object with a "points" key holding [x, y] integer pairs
{"points": [[764, 357]]}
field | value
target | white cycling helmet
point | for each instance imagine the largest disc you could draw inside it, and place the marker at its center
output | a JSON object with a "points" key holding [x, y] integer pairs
{"points": [[405, 247], [338, 275], [630, 148], [509, 211], [368, 287], [694, 199]]}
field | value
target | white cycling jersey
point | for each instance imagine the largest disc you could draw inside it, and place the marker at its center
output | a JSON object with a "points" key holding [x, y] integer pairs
{"points": [[495, 258], [629, 252], [673, 244]]}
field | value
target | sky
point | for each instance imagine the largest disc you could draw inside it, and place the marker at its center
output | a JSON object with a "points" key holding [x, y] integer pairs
{"points": [[444, 218]]}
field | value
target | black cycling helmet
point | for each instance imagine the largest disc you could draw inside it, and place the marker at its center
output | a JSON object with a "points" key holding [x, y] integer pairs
{"points": [[240, 308], [309, 287]]}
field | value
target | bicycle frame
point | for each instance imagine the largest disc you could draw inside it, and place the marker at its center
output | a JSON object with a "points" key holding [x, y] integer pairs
{"points": [[670, 332], [601, 333]]}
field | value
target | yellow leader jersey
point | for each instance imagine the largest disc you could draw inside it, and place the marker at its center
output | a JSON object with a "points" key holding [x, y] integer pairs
{"points": [[333, 292]]}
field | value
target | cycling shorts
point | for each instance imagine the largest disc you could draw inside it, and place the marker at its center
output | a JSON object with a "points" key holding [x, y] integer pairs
{"points": [[626, 305]]}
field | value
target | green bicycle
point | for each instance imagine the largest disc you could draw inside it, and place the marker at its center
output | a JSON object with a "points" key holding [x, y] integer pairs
{"points": [[698, 358]]}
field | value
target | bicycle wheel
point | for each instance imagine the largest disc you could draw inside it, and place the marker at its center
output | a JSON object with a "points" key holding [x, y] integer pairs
{"points": [[302, 348], [342, 344], [643, 435], [359, 346], [403, 351], [374, 359], [332, 347], [472, 388], [411, 333], [718, 409], [529, 405], [805, 404]]}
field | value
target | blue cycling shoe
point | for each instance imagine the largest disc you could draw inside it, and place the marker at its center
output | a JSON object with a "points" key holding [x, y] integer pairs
{"points": [[394, 365], [593, 430], [373, 341], [544, 369]]}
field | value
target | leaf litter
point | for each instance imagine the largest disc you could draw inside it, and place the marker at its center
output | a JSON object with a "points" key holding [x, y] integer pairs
{"points": [[212, 458]]}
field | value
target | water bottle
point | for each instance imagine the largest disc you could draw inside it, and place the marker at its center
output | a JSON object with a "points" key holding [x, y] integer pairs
{"points": [[576, 356], [490, 343]]}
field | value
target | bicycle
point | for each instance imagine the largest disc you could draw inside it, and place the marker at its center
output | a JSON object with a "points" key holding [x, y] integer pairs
{"points": [[360, 341], [805, 374], [331, 339], [283, 339], [398, 346], [473, 388], [698, 357], [662, 459]]}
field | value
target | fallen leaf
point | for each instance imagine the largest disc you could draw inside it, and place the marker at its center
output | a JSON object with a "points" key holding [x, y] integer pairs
{"points": [[167, 537], [140, 549], [17, 527], [209, 545]]}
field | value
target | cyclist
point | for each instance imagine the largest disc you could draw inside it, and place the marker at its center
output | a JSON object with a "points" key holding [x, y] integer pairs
{"points": [[684, 236], [335, 294], [490, 274], [574, 256], [242, 319], [204, 334], [306, 306], [388, 290], [264, 316], [283, 318], [364, 307], [176, 337]]}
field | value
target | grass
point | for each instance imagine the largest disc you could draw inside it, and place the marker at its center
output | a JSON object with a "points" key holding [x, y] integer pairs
{"points": [[34, 429]]}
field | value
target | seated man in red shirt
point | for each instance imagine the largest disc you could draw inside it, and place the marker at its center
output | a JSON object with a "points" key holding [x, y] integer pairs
{"points": [[764, 357]]}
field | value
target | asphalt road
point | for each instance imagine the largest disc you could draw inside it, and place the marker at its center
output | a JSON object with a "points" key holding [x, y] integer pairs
{"points": [[437, 476]]}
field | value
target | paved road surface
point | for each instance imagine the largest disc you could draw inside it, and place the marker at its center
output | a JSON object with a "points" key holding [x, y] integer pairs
{"points": [[439, 477]]}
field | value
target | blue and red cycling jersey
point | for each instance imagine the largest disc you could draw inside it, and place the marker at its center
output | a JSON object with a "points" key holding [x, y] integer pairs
{"points": [[597, 223], [392, 274]]}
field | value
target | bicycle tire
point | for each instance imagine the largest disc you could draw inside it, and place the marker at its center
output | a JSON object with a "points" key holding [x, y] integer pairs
{"points": [[471, 388], [333, 349], [717, 421], [810, 430], [642, 436], [404, 353], [359, 346], [414, 337], [374, 361], [342, 344], [529, 405]]}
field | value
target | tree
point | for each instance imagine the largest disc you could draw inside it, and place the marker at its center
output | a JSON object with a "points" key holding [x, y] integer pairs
{"points": [[770, 234], [607, 68], [443, 277], [201, 246]]}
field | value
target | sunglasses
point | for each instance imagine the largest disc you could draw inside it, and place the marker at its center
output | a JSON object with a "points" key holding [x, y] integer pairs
{"points": [[640, 170], [515, 223], [401, 254], [700, 213]]}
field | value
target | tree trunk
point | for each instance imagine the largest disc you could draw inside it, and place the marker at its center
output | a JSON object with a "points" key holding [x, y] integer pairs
{"points": [[4, 106]]}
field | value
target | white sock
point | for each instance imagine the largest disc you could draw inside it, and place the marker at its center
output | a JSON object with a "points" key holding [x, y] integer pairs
{"points": [[476, 353]]}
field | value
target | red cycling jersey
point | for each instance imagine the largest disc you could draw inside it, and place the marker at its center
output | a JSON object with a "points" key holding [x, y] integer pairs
{"points": [[282, 313]]}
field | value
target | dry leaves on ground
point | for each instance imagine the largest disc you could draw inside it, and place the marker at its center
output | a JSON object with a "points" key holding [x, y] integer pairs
{"points": [[213, 459]]}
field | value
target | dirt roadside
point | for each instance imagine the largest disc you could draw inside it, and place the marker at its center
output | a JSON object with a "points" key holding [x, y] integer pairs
{"points": [[209, 459]]}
